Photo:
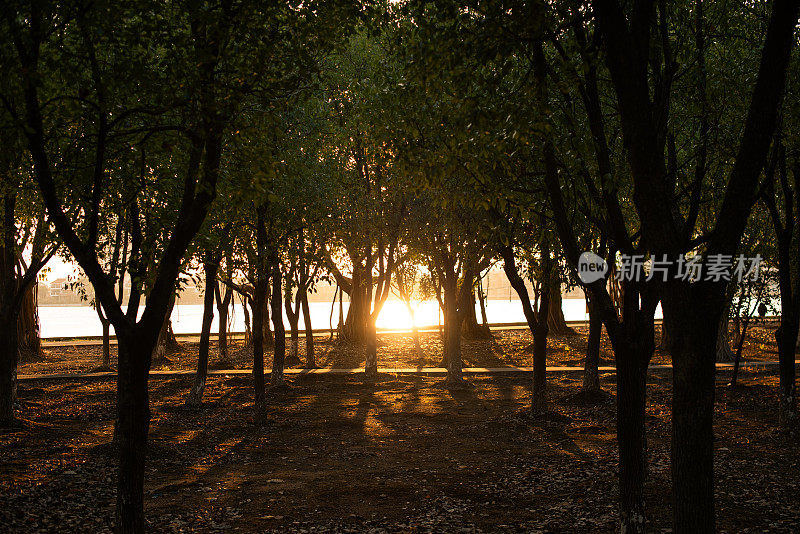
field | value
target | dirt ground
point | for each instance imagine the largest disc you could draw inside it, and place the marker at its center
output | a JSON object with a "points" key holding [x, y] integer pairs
{"points": [[506, 348], [400, 455]]}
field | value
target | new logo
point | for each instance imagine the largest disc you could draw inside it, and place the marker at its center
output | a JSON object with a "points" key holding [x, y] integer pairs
{"points": [[591, 267]]}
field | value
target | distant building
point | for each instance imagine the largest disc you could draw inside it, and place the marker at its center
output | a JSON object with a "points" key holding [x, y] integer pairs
{"points": [[64, 292], [57, 287]]}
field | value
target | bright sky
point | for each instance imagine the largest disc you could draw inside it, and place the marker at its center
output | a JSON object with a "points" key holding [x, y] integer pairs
{"points": [[58, 268]]}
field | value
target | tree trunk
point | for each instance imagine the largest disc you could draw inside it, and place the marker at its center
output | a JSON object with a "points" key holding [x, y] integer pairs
{"points": [[631, 363], [279, 351], [470, 328], [724, 353], [555, 316], [294, 349], [311, 361], [223, 305], [330, 317], [163, 343], [452, 355], [259, 306], [9, 359], [30, 345], [371, 359], [170, 340], [539, 397], [248, 330], [739, 346], [106, 343], [356, 324], [133, 422], [696, 333], [160, 350], [444, 337], [196, 393], [633, 341], [591, 375], [516, 281], [482, 301], [452, 336], [440, 328], [268, 337], [293, 314], [786, 338], [538, 323], [340, 325]]}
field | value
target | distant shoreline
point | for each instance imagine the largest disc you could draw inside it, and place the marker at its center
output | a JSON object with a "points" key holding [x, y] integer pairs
{"points": [[55, 341], [566, 296]]}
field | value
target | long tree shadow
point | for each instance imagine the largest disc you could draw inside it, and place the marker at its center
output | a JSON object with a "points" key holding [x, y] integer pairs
{"points": [[344, 355], [483, 353]]}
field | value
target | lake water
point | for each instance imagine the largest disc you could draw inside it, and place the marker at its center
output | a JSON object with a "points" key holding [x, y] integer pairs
{"points": [[79, 321]]}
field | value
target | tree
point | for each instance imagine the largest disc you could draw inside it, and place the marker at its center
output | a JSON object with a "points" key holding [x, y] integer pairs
{"points": [[218, 53], [21, 227], [783, 202], [224, 298], [117, 268], [303, 274], [370, 204], [543, 268], [504, 38], [211, 257], [455, 252], [410, 287], [694, 309]]}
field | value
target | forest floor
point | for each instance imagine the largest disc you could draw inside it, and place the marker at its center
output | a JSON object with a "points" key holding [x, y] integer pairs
{"points": [[505, 348], [402, 454]]}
